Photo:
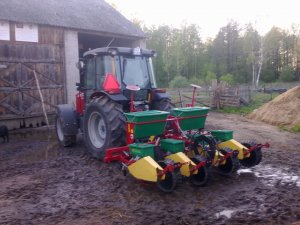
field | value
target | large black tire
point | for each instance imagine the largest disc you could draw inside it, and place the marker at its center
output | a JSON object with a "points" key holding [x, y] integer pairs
{"points": [[104, 126], [232, 163], [164, 104], [254, 159], [64, 140], [200, 179]]}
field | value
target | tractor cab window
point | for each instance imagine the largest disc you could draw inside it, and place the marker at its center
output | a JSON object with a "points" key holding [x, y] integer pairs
{"points": [[90, 73], [135, 71], [106, 65], [151, 73]]}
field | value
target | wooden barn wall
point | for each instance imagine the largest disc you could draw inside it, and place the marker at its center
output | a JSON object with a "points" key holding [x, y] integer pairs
{"points": [[23, 65]]}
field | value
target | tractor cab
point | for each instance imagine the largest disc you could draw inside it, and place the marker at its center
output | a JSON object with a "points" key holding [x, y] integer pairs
{"points": [[113, 81], [108, 71]]}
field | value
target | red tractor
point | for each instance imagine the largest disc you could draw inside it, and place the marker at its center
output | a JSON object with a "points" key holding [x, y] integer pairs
{"points": [[104, 97], [125, 118]]}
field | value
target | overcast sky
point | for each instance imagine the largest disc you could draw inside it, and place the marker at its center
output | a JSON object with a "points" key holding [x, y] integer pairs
{"points": [[211, 15]]}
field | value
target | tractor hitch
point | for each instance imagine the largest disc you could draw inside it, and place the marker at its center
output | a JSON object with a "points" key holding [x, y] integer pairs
{"points": [[117, 154]]}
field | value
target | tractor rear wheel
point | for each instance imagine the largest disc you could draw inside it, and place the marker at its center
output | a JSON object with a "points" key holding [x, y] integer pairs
{"points": [[164, 104], [64, 140], [104, 126], [231, 165], [199, 179], [254, 158]]}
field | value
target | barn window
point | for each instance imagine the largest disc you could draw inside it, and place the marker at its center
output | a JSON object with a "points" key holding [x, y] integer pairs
{"points": [[27, 32], [4, 31]]}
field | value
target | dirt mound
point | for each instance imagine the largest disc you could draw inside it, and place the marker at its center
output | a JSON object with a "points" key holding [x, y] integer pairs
{"points": [[282, 110]]}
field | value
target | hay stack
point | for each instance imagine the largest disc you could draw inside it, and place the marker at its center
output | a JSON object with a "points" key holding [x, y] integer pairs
{"points": [[282, 110]]}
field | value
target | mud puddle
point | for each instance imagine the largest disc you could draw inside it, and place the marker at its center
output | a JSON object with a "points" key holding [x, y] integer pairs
{"points": [[272, 175], [227, 213]]}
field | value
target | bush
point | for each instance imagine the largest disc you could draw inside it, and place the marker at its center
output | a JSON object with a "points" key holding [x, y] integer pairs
{"points": [[296, 128], [287, 74], [209, 77], [179, 81], [228, 78], [195, 80]]}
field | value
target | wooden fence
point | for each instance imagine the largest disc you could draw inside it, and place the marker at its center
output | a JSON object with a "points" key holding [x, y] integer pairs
{"points": [[215, 96]]}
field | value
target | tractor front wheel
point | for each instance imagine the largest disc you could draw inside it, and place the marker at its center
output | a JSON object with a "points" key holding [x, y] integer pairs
{"points": [[104, 126], [64, 140]]}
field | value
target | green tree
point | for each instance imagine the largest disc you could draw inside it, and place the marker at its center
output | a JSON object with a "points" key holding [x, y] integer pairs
{"points": [[246, 56], [252, 56], [159, 39], [287, 74], [226, 49], [272, 54]]}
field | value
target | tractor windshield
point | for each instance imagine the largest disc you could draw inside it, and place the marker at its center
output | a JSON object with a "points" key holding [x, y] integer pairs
{"points": [[137, 70]]}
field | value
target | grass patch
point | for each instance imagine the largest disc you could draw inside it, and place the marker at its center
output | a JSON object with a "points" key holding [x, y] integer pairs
{"points": [[296, 128], [257, 100]]}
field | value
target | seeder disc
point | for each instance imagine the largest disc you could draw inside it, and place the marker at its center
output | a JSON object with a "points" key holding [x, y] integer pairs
{"points": [[169, 183], [231, 165], [199, 179], [254, 158]]}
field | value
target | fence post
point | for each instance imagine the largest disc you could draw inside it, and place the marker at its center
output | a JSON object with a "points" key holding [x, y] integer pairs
{"points": [[180, 99], [249, 94]]}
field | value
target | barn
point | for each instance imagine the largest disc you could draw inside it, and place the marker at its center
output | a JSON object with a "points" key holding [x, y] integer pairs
{"points": [[40, 44]]}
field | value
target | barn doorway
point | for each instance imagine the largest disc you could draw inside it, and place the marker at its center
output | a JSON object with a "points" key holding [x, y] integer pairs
{"points": [[91, 41]]}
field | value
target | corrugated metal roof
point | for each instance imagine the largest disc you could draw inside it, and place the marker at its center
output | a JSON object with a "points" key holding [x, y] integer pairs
{"points": [[91, 15]]}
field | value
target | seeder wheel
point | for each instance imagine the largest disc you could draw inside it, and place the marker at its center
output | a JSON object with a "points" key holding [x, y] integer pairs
{"points": [[205, 146], [231, 165], [254, 159], [170, 181], [199, 179]]}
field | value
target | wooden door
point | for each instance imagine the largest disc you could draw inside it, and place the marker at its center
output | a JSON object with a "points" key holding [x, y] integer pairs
{"points": [[19, 89], [22, 66]]}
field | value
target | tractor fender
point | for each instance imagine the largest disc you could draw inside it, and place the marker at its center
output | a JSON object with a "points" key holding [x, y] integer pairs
{"points": [[69, 119], [160, 96], [114, 97]]}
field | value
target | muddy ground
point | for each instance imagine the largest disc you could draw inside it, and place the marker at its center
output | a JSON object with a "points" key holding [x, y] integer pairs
{"points": [[42, 183]]}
